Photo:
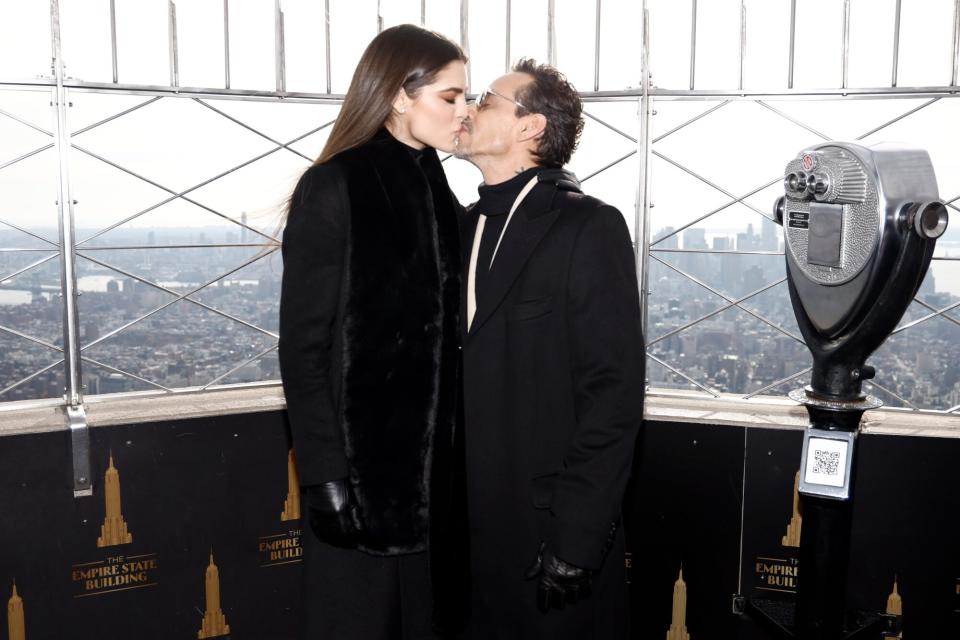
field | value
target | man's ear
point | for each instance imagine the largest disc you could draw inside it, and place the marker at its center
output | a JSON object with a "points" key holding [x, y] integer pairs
{"points": [[532, 126], [401, 101]]}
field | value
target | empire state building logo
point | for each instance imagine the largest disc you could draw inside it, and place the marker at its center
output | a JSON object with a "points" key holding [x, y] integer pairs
{"points": [[792, 537], [291, 508], [114, 528], [894, 608], [678, 628], [214, 622], [16, 629]]}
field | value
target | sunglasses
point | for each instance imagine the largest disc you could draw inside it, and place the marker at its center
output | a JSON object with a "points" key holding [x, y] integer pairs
{"points": [[482, 98]]}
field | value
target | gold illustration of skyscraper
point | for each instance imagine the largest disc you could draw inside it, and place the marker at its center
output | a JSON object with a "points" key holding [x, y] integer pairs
{"points": [[214, 622], [792, 537], [894, 601], [16, 629], [114, 529], [291, 508], [894, 608], [678, 629]]}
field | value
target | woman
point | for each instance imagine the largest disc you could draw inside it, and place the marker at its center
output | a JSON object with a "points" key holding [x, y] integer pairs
{"points": [[369, 347]]}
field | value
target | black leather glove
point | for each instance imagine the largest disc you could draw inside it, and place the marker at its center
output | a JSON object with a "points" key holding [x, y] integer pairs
{"points": [[561, 583], [333, 513]]}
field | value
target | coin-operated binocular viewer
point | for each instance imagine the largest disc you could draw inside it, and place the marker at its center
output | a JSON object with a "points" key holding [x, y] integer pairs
{"points": [[859, 225]]}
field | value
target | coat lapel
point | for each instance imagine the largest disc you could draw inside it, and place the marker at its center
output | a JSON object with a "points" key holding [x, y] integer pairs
{"points": [[530, 223]]}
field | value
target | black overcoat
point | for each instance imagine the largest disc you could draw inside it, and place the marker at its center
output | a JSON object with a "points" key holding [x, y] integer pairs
{"points": [[553, 392], [369, 346]]}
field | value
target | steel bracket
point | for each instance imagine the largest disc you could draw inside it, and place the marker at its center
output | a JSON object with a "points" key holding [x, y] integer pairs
{"points": [[80, 449]]}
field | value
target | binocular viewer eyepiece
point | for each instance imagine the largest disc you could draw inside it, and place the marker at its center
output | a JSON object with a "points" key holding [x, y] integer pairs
{"points": [[926, 219], [801, 185]]}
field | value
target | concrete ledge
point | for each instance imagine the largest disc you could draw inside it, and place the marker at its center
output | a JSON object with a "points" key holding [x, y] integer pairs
{"points": [[32, 417], [782, 413], [728, 410], [134, 408]]}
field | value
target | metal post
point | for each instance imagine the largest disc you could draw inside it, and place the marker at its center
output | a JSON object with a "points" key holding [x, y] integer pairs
{"points": [[693, 42], [551, 33], [793, 41], [68, 277], [279, 43], [226, 44], [326, 31], [743, 39], [423, 13], [641, 232], [113, 39], [896, 45], [956, 41], [596, 51], [172, 33], [845, 61], [379, 18], [506, 63], [465, 33]]}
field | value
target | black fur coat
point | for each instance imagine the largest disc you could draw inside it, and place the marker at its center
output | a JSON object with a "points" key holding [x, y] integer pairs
{"points": [[369, 344]]}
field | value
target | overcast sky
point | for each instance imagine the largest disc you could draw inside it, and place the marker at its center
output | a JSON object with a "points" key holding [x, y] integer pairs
{"points": [[178, 143]]}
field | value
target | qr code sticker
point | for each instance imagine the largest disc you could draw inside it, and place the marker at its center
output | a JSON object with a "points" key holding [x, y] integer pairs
{"points": [[826, 462]]}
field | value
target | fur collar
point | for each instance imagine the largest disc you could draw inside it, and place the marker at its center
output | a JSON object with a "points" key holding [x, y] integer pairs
{"points": [[399, 335]]}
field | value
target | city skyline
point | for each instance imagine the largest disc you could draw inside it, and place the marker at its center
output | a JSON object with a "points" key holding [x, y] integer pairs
{"points": [[189, 344]]}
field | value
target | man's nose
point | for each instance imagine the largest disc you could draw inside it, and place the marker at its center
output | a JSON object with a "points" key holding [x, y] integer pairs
{"points": [[471, 111]]}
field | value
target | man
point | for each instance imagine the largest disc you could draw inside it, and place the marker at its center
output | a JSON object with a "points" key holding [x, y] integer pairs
{"points": [[553, 372]]}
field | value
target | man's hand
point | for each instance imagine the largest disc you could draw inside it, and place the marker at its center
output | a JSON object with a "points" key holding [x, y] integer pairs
{"points": [[334, 517], [561, 583]]}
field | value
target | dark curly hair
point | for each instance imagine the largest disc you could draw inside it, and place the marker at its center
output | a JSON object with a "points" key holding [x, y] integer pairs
{"points": [[552, 95]]}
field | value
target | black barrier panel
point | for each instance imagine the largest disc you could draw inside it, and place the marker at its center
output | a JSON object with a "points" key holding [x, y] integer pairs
{"points": [[684, 508], [38, 516], [189, 490], [906, 528], [181, 490], [906, 525], [771, 532]]}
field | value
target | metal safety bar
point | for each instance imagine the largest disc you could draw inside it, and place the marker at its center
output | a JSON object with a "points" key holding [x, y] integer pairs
{"points": [[280, 47], [596, 48], [73, 393], [226, 43], [551, 33], [174, 53], [641, 227], [896, 44], [956, 42], [465, 35], [693, 43]]}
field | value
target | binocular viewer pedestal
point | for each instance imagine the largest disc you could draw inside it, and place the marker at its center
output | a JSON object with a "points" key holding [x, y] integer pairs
{"points": [[860, 225], [827, 473]]}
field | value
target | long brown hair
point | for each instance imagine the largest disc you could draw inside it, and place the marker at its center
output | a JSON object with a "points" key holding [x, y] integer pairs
{"points": [[404, 56]]}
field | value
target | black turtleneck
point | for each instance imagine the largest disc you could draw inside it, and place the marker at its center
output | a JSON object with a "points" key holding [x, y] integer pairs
{"points": [[429, 163], [494, 203], [416, 154]]}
